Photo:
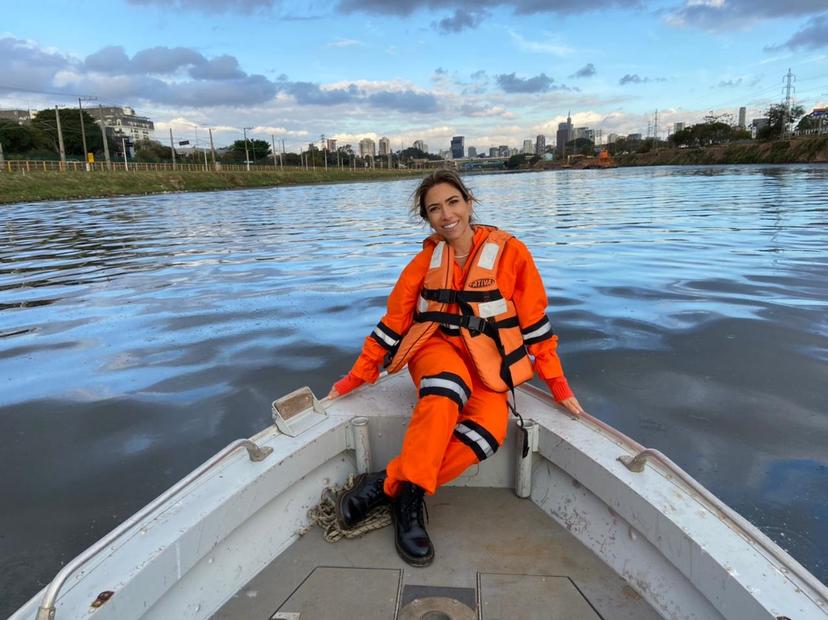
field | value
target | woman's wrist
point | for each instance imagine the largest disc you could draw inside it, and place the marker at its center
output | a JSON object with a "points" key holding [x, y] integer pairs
{"points": [[559, 387], [347, 383]]}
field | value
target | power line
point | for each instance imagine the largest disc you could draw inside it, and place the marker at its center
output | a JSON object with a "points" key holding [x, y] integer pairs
{"points": [[41, 92]]}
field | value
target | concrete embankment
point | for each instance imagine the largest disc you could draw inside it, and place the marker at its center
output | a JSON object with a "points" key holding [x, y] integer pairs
{"points": [[798, 150], [54, 185]]}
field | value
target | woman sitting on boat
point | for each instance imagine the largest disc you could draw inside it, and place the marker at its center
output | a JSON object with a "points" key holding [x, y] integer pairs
{"points": [[465, 315]]}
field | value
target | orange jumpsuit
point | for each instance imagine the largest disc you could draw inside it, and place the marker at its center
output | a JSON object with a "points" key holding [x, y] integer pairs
{"points": [[457, 421]]}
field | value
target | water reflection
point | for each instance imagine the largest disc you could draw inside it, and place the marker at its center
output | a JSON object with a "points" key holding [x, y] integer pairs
{"points": [[138, 335]]}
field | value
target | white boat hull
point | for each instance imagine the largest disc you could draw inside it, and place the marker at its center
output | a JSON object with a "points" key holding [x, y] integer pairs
{"points": [[678, 548]]}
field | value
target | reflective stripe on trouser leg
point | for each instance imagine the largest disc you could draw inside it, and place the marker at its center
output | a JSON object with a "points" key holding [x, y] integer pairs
{"points": [[481, 441], [446, 384]]}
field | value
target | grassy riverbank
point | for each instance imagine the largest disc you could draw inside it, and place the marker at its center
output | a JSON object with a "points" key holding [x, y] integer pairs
{"points": [[34, 186], [798, 150]]}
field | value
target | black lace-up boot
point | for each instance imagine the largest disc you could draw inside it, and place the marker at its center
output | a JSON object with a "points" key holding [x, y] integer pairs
{"points": [[413, 543], [354, 505]]}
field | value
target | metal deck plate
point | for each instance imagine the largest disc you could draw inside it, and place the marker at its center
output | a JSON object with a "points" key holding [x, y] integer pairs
{"points": [[532, 597], [364, 593]]}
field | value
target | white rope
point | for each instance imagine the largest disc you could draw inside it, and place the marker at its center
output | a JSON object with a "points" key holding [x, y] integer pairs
{"points": [[324, 515]]}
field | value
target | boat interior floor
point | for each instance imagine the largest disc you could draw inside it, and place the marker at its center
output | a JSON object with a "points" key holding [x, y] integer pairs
{"points": [[496, 557]]}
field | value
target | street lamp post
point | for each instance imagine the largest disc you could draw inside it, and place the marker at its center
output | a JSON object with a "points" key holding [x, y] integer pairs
{"points": [[246, 156], [83, 130]]}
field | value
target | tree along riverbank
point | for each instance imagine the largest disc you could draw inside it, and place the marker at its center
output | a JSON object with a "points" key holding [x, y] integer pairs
{"points": [[798, 150], [53, 185]]}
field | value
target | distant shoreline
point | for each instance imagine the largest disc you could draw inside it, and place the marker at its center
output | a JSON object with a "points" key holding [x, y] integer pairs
{"points": [[41, 186], [800, 150], [37, 186]]}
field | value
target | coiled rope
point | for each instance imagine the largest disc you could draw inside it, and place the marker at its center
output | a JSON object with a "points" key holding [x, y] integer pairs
{"points": [[324, 515]]}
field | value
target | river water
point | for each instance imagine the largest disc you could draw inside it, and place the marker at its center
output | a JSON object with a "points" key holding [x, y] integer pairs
{"points": [[139, 335]]}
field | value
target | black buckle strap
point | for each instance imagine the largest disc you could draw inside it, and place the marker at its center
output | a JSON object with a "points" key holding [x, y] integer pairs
{"points": [[452, 296], [475, 324], [441, 295]]}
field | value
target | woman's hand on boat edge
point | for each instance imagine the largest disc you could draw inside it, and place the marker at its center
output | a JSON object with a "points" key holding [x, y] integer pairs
{"points": [[344, 385], [573, 406]]}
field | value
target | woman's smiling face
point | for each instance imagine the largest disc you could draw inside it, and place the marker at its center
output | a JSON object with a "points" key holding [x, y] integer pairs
{"points": [[448, 212]]}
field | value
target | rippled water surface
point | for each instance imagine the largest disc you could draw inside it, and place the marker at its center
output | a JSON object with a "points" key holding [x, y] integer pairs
{"points": [[139, 335]]}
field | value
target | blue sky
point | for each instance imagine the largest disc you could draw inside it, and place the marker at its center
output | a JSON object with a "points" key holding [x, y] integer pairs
{"points": [[495, 72]]}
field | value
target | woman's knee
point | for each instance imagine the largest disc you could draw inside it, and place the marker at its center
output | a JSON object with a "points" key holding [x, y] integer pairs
{"points": [[448, 385]]}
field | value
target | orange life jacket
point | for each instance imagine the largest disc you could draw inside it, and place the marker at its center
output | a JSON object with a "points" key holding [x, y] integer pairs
{"points": [[478, 313]]}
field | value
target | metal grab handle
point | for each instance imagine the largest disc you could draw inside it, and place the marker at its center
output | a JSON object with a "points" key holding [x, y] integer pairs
{"points": [[636, 463], [46, 611]]}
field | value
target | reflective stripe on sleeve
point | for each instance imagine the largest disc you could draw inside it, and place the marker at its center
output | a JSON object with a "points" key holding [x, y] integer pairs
{"points": [[538, 332], [387, 337], [446, 384], [477, 438]]}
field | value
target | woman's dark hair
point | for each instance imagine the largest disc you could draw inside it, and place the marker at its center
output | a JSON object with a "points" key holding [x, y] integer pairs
{"points": [[441, 175]]}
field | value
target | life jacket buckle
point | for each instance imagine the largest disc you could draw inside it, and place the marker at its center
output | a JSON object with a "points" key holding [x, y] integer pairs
{"points": [[476, 325]]}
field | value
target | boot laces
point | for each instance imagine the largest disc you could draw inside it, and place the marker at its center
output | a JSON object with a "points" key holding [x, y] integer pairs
{"points": [[374, 491], [377, 488], [414, 507]]}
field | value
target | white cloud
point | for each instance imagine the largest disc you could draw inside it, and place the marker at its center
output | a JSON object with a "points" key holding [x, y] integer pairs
{"points": [[280, 131], [353, 138], [540, 47], [370, 86], [485, 111], [346, 43]]}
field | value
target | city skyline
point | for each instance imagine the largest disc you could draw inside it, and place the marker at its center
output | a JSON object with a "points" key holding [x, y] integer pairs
{"points": [[493, 72]]}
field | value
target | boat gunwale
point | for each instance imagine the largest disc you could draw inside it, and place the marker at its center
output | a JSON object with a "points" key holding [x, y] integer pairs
{"points": [[674, 473]]}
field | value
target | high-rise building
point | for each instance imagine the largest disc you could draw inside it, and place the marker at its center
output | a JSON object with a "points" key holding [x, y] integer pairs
{"points": [[612, 138], [124, 122], [528, 147], [742, 115], [564, 134], [503, 150], [458, 149], [677, 127], [384, 146], [584, 133], [540, 144], [493, 152], [421, 146], [367, 148], [472, 152], [331, 144]]}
